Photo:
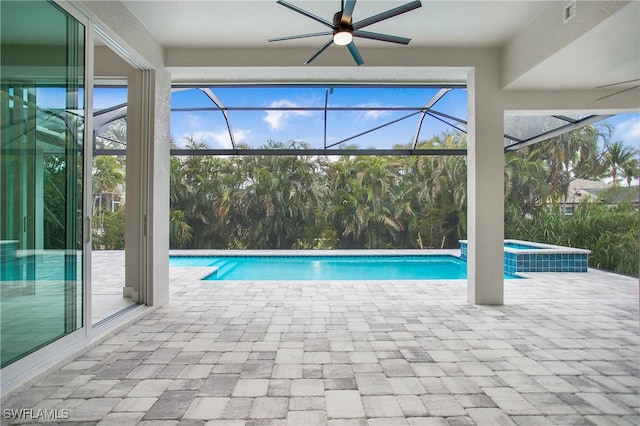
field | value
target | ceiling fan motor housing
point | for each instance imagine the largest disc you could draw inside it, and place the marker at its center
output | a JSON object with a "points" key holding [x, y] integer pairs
{"points": [[339, 26]]}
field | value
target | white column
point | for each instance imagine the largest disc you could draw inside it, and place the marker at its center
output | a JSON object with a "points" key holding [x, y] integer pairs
{"points": [[485, 187], [158, 187]]}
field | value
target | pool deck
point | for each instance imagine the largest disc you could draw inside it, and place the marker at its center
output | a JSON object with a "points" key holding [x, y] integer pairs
{"points": [[563, 349]]}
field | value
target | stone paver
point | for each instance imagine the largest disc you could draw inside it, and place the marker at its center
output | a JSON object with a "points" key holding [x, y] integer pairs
{"points": [[251, 388], [135, 404], [269, 408], [442, 405], [344, 404], [119, 419], [306, 418], [373, 384], [411, 406], [237, 408], [206, 408], [563, 349], [307, 387], [150, 388], [171, 405], [381, 406], [90, 409]]}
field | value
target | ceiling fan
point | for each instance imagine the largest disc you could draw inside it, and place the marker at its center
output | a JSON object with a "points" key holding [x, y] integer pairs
{"points": [[343, 29]]}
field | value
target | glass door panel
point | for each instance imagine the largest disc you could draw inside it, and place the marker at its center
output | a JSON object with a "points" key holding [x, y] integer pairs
{"points": [[41, 187]]}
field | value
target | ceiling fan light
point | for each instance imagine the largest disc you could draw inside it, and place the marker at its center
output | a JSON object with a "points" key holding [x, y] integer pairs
{"points": [[342, 38]]}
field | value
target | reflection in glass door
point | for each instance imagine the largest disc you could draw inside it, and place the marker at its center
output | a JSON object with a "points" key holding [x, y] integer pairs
{"points": [[41, 176]]}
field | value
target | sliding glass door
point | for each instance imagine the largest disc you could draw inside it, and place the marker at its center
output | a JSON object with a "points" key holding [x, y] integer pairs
{"points": [[41, 176]]}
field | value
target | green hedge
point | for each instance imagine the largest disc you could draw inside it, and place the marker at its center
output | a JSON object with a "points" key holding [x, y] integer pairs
{"points": [[610, 232]]}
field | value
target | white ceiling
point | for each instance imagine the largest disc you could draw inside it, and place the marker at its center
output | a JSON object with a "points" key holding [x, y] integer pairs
{"points": [[236, 23], [608, 53]]}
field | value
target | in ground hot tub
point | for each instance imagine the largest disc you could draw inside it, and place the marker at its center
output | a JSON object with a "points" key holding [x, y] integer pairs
{"points": [[525, 256]]}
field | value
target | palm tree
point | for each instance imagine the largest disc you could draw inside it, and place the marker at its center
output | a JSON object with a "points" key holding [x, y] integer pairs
{"points": [[181, 233], [441, 200], [630, 171], [108, 175], [195, 182], [345, 210], [274, 202], [573, 154], [369, 207], [525, 179], [619, 158]]}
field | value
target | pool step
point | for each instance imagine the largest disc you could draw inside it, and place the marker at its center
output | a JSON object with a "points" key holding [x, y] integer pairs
{"points": [[223, 266]]}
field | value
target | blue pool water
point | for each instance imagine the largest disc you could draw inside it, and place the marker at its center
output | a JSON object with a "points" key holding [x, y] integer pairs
{"points": [[303, 268]]}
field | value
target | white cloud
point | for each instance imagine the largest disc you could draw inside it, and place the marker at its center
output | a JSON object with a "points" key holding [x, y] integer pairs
{"points": [[374, 115], [241, 135], [191, 121], [277, 120], [221, 139], [629, 131], [371, 115]]}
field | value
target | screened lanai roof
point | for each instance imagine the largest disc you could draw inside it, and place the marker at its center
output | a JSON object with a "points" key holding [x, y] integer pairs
{"points": [[331, 120]]}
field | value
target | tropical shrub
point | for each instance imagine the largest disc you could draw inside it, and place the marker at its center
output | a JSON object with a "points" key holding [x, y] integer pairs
{"points": [[110, 235]]}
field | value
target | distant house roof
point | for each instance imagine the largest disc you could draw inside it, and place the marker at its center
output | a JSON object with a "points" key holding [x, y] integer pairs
{"points": [[618, 194], [586, 185], [581, 189]]}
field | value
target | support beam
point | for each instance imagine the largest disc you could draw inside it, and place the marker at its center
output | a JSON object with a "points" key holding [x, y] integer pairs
{"points": [[424, 112], [485, 188], [207, 91]]}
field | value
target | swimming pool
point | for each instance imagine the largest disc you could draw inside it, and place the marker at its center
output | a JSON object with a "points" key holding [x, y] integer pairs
{"points": [[305, 268]]}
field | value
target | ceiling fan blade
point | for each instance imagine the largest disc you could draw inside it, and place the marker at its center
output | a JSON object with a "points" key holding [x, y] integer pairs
{"points": [[381, 37], [347, 11], [355, 53], [617, 84], [619, 92], [293, 37], [322, 49], [388, 14], [305, 13]]}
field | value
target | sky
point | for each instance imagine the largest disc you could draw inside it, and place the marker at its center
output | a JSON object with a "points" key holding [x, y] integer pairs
{"points": [[627, 129], [255, 128]]}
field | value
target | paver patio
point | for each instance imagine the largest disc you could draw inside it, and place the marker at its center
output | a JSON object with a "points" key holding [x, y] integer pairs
{"points": [[564, 349]]}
